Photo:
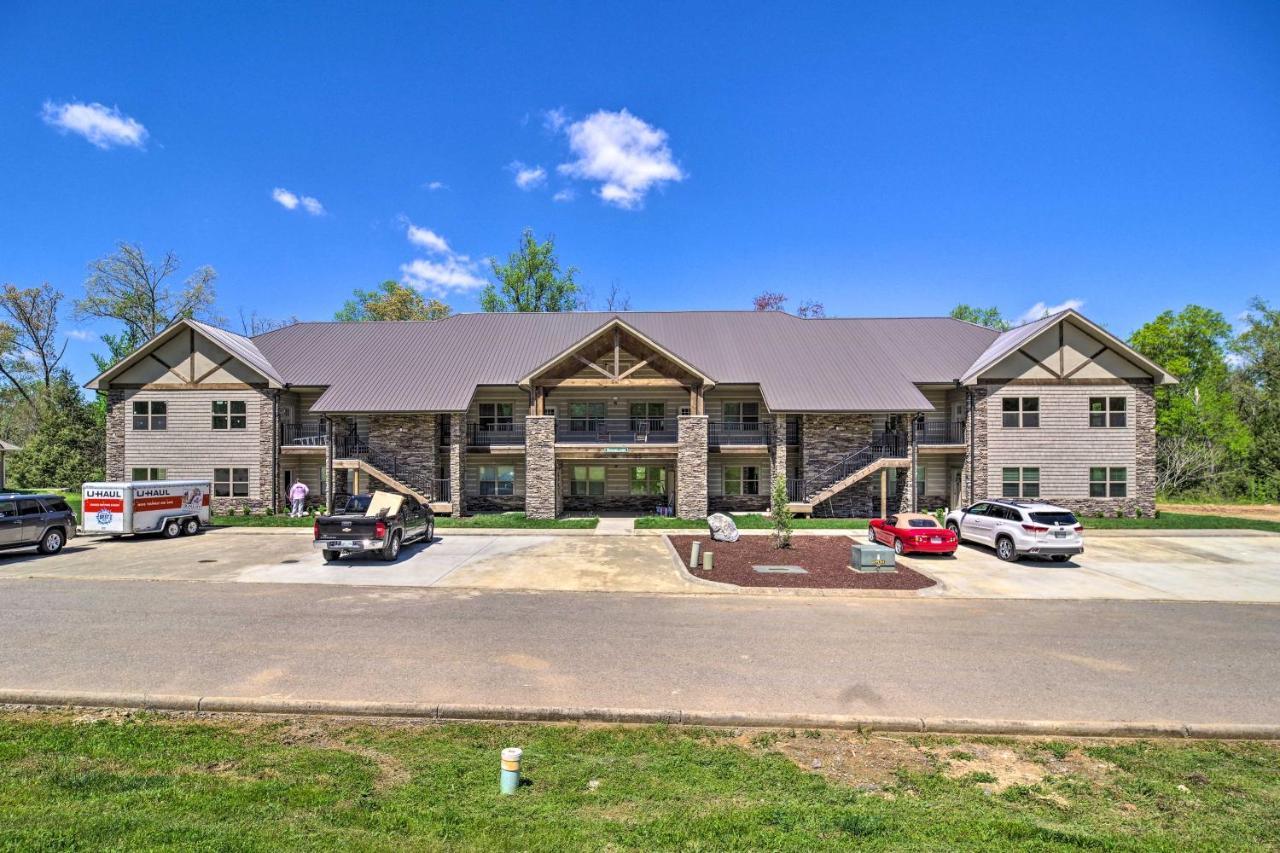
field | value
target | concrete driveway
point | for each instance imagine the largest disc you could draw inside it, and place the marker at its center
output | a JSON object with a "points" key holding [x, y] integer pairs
{"points": [[1225, 566], [531, 562]]}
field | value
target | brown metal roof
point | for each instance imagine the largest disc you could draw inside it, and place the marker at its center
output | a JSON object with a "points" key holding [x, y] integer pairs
{"points": [[854, 364]]}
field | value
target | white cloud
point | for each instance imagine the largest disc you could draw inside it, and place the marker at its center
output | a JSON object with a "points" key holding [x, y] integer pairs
{"points": [[563, 195], [1040, 309], [79, 334], [625, 154], [427, 239], [528, 177], [291, 201], [435, 186], [554, 120], [454, 272], [102, 126]]}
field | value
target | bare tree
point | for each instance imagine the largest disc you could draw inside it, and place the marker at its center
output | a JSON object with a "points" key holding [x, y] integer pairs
{"points": [[254, 324], [617, 299], [769, 301], [811, 310], [125, 286], [1183, 461], [29, 351]]}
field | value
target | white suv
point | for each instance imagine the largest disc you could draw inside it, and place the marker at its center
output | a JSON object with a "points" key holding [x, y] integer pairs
{"points": [[1015, 528]]}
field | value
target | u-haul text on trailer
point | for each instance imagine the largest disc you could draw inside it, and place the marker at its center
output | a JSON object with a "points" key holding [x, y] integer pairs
{"points": [[171, 507]]}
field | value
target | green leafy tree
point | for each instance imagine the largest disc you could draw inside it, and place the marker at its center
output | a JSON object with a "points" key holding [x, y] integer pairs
{"points": [[1258, 387], [1202, 442], [531, 280], [989, 317], [391, 300], [67, 447], [29, 350], [780, 509]]}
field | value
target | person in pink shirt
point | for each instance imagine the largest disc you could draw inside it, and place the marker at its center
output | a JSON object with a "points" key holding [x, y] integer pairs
{"points": [[298, 499]]}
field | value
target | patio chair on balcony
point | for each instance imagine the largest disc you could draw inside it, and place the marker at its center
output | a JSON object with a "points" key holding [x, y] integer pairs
{"points": [[602, 431], [641, 430]]}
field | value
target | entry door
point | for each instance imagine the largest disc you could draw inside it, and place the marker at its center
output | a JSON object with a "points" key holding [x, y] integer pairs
{"points": [[955, 498], [288, 482]]}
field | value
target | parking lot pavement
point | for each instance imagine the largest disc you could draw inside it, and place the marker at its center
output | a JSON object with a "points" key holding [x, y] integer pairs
{"points": [[1191, 568], [533, 562]]}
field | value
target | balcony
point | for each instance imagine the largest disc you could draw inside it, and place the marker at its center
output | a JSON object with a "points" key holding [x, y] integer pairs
{"points": [[495, 433], [739, 434], [303, 435], [941, 432], [616, 430]]}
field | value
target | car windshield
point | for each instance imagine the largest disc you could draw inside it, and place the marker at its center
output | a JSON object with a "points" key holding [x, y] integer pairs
{"points": [[358, 503], [1054, 518], [921, 522]]}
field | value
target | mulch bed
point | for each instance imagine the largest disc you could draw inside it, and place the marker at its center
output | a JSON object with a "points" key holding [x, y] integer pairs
{"points": [[824, 558]]}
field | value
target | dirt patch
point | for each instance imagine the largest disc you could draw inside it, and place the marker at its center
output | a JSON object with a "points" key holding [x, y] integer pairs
{"points": [[391, 772], [1263, 512], [872, 763], [825, 560]]}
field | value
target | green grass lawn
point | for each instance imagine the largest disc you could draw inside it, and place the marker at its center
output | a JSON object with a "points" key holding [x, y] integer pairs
{"points": [[749, 521], [151, 782], [1181, 521]]}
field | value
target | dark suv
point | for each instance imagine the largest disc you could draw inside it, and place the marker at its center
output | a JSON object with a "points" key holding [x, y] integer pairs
{"points": [[44, 521]]}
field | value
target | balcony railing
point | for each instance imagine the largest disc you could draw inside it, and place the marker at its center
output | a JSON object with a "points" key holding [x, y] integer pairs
{"points": [[443, 489], [616, 430], [739, 434], [490, 433], [303, 435], [941, 432]]}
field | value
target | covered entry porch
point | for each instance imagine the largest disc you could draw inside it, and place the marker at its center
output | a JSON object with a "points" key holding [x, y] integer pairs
{"points": [[616, 480]]}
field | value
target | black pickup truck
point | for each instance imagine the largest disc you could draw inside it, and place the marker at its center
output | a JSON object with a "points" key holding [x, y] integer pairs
{"points": [[381, 522]]}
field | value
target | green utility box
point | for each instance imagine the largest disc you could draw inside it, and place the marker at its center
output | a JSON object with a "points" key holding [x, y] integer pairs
{"points": [[870, 557]]}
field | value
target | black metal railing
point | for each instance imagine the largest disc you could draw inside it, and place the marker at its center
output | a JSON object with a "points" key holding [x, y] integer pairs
{"points": [[489, 433], [303, 435], [616, 430], [351, 446], [444, 489], [890, 444], [793, 430], [739, 433], [941, 432]]}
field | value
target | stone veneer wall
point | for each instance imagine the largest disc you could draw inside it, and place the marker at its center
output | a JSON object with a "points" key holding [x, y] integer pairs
{"points": [[116, 414], [975, 460], [826, 439], [496, 503], [779, 450], [540, 493], [613, 503], [691, 467], [413, 441], [740, 503], [457, 460]]}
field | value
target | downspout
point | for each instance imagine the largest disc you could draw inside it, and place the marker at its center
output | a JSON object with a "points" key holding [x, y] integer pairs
{"points": [[275, 451], [915, 461], [972, 422]]}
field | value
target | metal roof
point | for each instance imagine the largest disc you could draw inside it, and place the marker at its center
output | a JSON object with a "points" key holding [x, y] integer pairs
{"points": [[7, 447], [242, 348], [854, 364]]}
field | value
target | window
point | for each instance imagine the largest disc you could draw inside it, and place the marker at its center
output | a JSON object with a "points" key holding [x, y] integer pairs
{"points": [[147, 473], [587, 480], [738, 414], [584, 416], [1021, 483], [1107, 411], [57, 505], [649, 481], [651, 412], [497, 480], [1021, 411], [495, 416], [1108, 482], [30, 507], [231, 482], [8, 509], [920, 481], [742, 480], [229, 414], [150, 414]]}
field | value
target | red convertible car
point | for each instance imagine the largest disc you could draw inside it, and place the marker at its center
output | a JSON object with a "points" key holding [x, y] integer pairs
{"points": [[912, 531]]}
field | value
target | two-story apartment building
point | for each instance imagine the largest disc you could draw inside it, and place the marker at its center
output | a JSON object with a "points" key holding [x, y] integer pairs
{"points": [[687, 412]]}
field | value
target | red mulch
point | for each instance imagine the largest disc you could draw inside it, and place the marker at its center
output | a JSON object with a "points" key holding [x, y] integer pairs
{"points": [[825, 558]]}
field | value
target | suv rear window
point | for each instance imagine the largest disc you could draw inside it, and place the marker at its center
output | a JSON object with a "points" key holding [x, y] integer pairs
{"points": [[56, 506], [1054, 518], [921, 522]]}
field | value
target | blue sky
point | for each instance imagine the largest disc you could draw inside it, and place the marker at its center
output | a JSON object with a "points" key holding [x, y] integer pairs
{"points": [[883, 159]]}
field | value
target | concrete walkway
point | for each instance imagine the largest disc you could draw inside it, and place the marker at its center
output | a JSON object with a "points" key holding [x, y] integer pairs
{"points": [[1038, 660]]}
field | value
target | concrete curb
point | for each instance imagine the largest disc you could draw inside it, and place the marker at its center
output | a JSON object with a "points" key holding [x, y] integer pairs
{"points": [[530, 714]]}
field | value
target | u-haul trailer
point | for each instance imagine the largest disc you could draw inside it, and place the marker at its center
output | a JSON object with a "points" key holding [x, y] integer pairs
{"points": [[168, 507]]}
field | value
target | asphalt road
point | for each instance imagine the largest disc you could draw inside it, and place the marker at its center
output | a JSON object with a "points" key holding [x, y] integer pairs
{"points": [[1080, 660]]}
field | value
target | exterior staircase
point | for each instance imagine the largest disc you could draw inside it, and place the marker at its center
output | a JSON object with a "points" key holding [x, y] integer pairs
{"points": [[853, 468], [356, 456]]}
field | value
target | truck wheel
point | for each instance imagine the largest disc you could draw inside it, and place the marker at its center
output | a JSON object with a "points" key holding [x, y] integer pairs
{"points": [[171, 529], [431, 532], [191, 526], [392, 549], [329, 556], [52, 542]]}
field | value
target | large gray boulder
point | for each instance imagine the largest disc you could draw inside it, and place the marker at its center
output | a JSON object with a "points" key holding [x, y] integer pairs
{"points": [[722, 528]]}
